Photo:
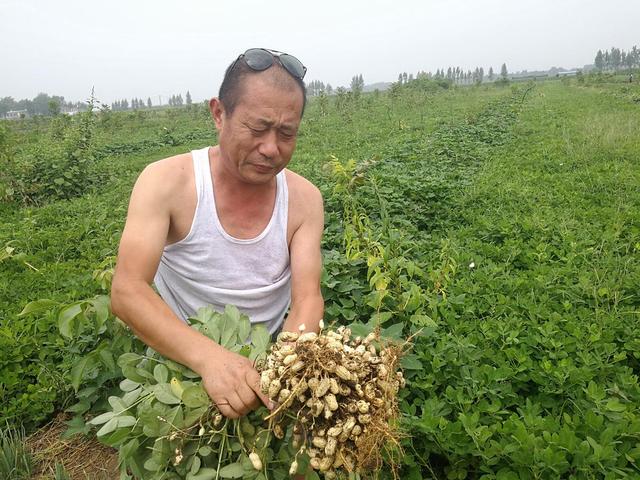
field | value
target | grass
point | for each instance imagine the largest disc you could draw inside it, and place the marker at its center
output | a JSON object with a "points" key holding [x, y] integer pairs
{"points": [[15, 462]]}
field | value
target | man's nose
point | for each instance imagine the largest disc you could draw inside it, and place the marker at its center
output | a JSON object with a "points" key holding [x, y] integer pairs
{"points": [[269, 144]]}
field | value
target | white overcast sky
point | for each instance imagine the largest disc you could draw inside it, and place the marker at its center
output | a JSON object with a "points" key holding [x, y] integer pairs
{"points": [[144, 48]]}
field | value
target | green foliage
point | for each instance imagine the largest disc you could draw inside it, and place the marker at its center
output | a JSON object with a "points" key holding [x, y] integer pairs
{"points": [[166, 427], [59, 169], [15, 462], [497, 225]]}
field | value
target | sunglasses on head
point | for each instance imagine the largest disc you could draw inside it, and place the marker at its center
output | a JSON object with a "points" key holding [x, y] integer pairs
{"points": [[260, 59]]}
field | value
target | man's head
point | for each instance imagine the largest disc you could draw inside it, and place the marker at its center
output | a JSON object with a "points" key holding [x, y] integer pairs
{"points": [[257, 117], [288, 73]]}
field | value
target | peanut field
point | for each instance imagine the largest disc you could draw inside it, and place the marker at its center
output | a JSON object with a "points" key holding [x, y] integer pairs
{"points": [[496, 226]]}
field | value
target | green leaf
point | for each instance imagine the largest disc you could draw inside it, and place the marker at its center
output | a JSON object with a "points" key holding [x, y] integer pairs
{"points": [[195, 466], [101, 306], [80, 407], [393, 332], [359, 329], [79, 368], [128, 358], [232, 312], [132, 374], [244, 329], [107, 360], [195, 396], [164, 394], [66, 317], [229, 326], [381, 317], [205, 451], [176, 387], [76, 425], [130, 397], [117, 404], [311, 475], [260, 340], [233, 470], [423, 321], [104, 418], [127, 385], [615, 405], [108, 427], [192, 415], [411, 361], [126, 421], [204, 474], [37, 306], [115, 438], [161, 373]]}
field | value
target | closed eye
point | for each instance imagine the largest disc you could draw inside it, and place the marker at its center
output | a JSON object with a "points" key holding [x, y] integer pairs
{"points": [[287, 135]]}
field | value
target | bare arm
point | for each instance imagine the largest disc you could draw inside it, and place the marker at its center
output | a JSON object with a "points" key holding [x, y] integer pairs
{"points": [[230, 379], [307, 305]]}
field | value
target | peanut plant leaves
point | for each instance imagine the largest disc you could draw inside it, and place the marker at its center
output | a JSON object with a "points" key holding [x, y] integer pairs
{"points": [[233, 470], [195, 396]]}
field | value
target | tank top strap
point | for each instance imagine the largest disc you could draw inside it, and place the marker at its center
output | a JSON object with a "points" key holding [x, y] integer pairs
{"points": [[202, 174], [282, 206]]}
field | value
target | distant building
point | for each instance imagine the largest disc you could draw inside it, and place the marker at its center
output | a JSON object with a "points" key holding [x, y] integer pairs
{"points": [[569, 73], [69, 111], [16, 114]]}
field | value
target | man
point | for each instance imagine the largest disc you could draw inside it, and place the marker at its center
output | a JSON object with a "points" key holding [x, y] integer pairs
{"points": [[226, 224]]}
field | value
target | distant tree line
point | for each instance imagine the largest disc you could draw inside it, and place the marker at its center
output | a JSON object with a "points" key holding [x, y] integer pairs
{"points": [[616, 59], [316, 87], [41, 104], [138, 103], [457, 75], [134, 104]]}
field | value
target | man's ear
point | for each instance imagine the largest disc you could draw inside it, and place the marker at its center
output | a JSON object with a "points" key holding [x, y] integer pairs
{"points": [[217, 112]]}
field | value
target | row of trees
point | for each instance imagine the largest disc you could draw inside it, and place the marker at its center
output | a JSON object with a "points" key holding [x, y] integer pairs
{"points": [[453, 74], [137, 103], [617, 59], [316, 87], [177, 101], [41, 104], [457, 75], [45, 104]]}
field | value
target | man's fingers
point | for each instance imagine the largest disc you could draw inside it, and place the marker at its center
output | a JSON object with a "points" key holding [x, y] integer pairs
{"points": [[238, 404], [248, 396], [227, 410], [253, 380]]}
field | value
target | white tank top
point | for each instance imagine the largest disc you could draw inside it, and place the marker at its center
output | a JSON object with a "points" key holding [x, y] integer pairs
{"points": [[210, 267]]}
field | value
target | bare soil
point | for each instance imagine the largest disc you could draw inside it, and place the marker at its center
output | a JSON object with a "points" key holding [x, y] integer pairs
{"points": [[82, 457]]}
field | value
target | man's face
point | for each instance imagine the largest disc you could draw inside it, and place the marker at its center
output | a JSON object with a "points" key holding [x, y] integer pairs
{"points": [[258, 139]]}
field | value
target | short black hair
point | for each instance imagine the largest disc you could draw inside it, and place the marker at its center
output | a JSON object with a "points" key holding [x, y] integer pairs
{"points": [[231, 89]]}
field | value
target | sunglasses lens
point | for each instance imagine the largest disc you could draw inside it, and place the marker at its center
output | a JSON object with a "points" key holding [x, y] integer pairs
{"points": [[293, 65], [258, 59]]}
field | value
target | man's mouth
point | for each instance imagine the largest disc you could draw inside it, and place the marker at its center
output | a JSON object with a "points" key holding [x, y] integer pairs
{"points": [[263, 168]]}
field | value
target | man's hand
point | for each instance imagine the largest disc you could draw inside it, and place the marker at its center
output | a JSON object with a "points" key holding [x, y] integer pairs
{"points": [[233, 384]]}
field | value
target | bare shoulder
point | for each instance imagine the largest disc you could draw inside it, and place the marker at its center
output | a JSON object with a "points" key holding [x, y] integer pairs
{"points": [[302, 192], [166, 179], [305, 206]]}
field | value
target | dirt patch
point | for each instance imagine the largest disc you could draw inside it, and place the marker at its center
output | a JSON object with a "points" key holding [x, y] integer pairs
{"points": [[82, 457]]}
